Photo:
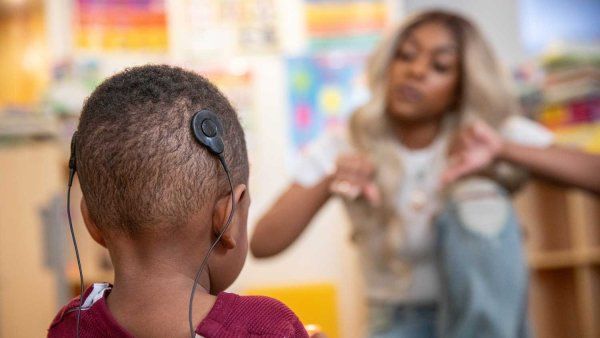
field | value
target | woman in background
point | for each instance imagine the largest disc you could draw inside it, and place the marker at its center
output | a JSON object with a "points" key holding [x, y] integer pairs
{"points": [[432, 76]]}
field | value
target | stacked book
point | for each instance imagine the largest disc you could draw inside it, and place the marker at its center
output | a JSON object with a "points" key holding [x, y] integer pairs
{"points": [[570, 93]]}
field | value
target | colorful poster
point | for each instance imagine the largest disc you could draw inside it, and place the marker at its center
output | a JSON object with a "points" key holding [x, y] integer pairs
{"points": [[257, 26], [348, 25], [121, 25], [209, 28], [227, 27], [323, 91], [237, 86]]}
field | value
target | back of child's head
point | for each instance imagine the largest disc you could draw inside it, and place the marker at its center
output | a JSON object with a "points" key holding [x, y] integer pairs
{"points": [[140, 169]]}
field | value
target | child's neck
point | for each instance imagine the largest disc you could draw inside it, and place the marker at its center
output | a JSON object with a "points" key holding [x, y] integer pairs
{"points": [[151, 299], [417, 135]]}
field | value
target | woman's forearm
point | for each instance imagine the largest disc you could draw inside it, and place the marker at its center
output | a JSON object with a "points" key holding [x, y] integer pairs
{"points": [[281, 225], [561, 164]]}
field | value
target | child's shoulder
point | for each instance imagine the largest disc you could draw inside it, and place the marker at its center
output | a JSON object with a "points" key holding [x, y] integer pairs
{"points": [[261, 305], [70, 309], [94, 318], [234, 315]]}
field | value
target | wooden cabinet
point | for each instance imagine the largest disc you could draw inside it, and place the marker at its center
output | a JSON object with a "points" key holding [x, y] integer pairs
{"points": [[38, 270], [562, 238], [30, 176]]}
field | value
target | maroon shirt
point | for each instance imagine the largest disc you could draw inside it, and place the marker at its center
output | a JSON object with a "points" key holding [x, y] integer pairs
{"points": [[231, 316]]}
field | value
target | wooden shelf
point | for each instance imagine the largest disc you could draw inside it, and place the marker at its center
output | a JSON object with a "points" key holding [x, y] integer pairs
{"points": [[562, 237], [594, 256], [563, 258], [554, 305]]}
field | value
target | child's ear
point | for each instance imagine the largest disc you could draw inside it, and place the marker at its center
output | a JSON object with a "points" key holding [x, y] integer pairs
{"points": [[221, 215], [90, 224]]}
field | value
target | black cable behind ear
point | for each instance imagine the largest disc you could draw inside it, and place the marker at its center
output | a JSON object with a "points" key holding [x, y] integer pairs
{"points": [[208, 131], [73, 159], [72, 170]]}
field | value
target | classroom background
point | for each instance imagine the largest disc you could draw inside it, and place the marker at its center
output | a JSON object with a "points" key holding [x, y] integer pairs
{"points": [[293, 69]]}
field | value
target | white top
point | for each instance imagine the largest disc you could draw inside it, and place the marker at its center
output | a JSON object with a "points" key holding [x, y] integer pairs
{"points": [[417, 201]]}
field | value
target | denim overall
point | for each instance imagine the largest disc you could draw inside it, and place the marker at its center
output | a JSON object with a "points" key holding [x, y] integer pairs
{"points": [[481, 267]]}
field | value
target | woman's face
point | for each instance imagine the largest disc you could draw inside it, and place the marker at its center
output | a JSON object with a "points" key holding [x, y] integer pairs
{"points": [[424, 75]]}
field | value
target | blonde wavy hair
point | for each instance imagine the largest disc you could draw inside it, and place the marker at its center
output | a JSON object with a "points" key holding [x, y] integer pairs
{"points": [[483, 93]]}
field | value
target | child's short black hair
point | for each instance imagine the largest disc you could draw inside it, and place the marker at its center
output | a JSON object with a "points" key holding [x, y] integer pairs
{"points": [[139, 165]]}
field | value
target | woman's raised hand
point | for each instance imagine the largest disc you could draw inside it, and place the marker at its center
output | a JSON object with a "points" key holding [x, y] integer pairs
{"points": [[354, 178], [475, 147]]}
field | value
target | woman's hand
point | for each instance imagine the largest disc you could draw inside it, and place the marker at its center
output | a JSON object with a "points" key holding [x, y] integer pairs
{"points": [[474, 149], [353, 178]]}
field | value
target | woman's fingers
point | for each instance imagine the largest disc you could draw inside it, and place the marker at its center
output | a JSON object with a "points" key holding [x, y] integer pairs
{"points": [[475, 147], [345, 189], [458, 166], [354, 178], [372, 194]]}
